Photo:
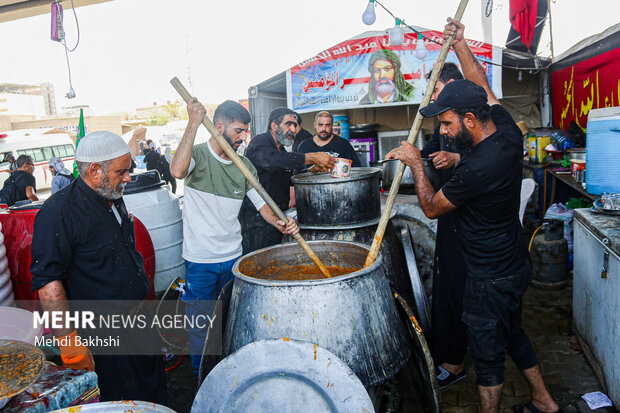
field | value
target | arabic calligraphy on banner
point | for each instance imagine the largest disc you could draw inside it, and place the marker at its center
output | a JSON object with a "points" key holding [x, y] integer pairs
{"points": [[369, 71], [591, 84]]}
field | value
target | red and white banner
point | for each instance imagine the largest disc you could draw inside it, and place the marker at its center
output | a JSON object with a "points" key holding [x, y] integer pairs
{"points": [[369, 71]]}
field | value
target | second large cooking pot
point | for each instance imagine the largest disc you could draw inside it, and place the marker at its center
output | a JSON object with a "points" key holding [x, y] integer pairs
{"points": [[407, 185], [325, 201]]}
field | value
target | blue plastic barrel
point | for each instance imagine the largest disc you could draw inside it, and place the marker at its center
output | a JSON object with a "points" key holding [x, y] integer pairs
{"points": [[603, 151]]}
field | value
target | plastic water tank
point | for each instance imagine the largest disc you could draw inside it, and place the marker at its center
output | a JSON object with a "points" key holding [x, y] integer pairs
{"points": [[603, 151], [159, 210], [6, 287]]}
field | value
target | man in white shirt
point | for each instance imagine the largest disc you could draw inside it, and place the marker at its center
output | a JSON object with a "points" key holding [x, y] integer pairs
{"points": [[214, 191]]}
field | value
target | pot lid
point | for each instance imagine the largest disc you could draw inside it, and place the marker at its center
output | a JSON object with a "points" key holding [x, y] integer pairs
{"points": [[363, 127], [143, 182], [419, 294], [26, 204], [282, 375], [17, 324], [310, 178], [21, 365]]}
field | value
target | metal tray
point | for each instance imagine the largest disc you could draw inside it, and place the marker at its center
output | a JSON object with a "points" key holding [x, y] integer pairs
{"points": [[282, 376]]}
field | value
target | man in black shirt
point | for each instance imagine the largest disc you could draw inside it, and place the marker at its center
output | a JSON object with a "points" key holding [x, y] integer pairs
{"points": [[300, 133], [83, 248], [151, 157], [326, 141], [275, 166], [485, 190], [448, 341], [21, 184]]}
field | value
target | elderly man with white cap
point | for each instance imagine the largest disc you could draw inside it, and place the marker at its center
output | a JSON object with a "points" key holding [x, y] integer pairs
{"points": [[83, 248]]}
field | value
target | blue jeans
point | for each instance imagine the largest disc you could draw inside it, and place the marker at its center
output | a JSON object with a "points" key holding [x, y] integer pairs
{"points": [[203, 283]]}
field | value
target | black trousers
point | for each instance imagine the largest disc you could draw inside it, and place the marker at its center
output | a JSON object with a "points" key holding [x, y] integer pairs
{"points": [[449, 337], [124, 377], [173, 184], [492, 312]]}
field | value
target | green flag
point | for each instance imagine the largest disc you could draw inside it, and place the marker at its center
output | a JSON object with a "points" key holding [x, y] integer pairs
{"points": [[80, 135]]}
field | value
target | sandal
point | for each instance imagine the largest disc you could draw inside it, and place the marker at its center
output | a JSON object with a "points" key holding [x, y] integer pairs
{"points": [[530, 408], [445, 378]]}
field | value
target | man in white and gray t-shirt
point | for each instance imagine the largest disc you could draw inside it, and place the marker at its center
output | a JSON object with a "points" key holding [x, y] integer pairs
{"points": [[214, 191]]}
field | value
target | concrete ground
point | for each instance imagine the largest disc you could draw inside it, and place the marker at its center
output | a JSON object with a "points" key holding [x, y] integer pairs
{"points": [[547, 319]]}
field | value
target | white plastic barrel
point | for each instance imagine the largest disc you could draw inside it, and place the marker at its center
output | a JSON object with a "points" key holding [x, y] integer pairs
{"points": [[603, 151], [160, 212], [6, 287]]}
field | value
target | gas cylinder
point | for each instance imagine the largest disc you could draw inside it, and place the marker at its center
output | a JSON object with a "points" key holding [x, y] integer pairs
{"points": [[549, 253]]}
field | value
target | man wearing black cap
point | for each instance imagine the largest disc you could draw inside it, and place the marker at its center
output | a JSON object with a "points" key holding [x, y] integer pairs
{"points": [[275, 166], [485, 190]]}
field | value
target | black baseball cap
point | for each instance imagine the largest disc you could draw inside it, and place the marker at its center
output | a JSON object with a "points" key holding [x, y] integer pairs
{"points": [[457, 94]]}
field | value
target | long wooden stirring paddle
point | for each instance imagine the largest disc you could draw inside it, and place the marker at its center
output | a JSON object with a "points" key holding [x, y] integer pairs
{"points": [[413, 136], [176, 83]]}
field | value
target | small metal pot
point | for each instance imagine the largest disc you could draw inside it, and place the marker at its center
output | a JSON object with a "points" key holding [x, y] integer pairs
{"points": [[577, 153], [325, 201], [407, 184]]}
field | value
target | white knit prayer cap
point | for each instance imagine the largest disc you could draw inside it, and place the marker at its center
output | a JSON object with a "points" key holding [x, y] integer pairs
{"points": [[100, 146]]}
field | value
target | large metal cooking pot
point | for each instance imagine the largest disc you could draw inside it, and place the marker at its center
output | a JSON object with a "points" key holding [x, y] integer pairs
{"points": [[407, 184], [323, 200], [354, 316]]}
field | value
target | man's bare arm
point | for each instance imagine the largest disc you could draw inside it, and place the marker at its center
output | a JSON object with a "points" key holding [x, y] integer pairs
{"points": [[445, 159], [472, 69], [433, 204], [53, 298], [73, 352], [183, 155], [268, 215], [321, 159], [30, 194]]}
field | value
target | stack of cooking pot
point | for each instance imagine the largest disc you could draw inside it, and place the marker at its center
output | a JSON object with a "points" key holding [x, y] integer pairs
{"points": [[407, 184], [349, 209], [281, 335]]}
